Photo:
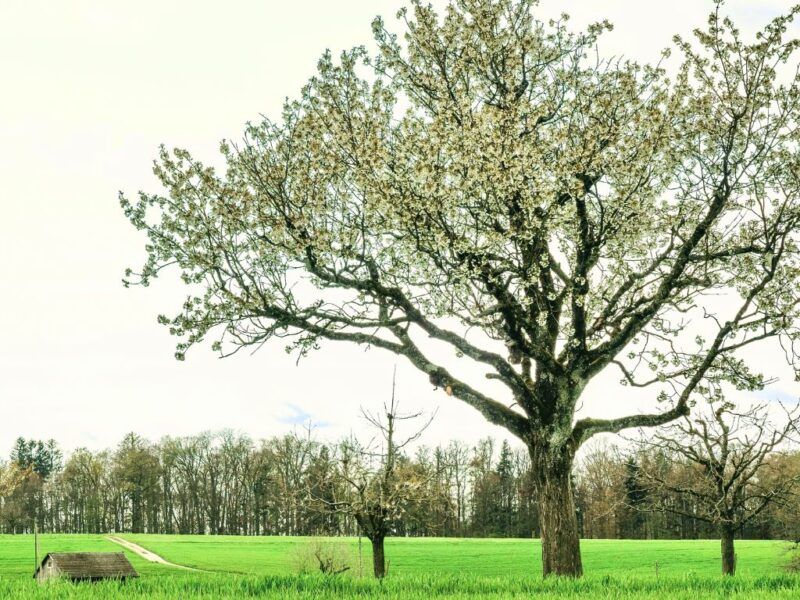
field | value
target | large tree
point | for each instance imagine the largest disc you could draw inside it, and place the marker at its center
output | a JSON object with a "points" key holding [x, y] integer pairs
{"points": [[490, 183]]}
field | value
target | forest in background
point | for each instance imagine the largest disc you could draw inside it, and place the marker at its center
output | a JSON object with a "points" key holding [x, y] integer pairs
{"points": [[227, 483]]}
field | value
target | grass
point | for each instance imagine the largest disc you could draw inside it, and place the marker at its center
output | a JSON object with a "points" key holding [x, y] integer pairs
{"points": [[485, 557], [419, 568], [419, 587]]}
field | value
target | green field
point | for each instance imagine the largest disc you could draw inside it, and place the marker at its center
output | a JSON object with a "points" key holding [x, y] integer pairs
{"points": [[486, 557], [245, 567]]}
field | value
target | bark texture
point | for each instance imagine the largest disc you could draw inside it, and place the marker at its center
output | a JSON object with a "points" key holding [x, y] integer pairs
{"points": [[561, 551], [378, 558], [728, 552]]}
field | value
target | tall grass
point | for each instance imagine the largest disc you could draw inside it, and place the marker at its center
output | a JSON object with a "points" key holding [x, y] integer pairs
{"points": [[416, 587]]}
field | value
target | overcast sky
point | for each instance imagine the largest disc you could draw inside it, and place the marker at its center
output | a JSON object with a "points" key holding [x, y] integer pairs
{"points": [[89, 90]]}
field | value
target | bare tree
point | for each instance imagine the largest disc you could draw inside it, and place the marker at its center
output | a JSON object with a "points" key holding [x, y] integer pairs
{"points": [[721, 458], [380, 486], [600, 476]]}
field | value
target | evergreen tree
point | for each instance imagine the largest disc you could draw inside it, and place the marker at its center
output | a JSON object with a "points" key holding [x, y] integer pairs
{"points": [[505, 505], [635, 498]]}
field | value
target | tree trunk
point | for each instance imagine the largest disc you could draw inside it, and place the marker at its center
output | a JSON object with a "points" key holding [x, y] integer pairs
{"points": [[561, 551], [728, 553], [378, 558]]}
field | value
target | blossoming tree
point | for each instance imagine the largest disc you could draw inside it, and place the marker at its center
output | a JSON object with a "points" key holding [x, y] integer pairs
{"points": [[488, 182]]}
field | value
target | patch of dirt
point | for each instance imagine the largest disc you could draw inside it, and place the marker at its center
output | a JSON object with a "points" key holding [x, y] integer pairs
{"points": [[145, 553]]}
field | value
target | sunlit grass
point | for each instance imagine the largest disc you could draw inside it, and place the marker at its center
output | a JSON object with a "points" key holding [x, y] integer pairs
{"points": [[486, 557], [414, 587], [244, 567]]}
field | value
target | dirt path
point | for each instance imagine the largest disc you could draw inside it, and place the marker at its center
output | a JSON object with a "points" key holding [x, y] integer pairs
{"points": [[145, 553]]}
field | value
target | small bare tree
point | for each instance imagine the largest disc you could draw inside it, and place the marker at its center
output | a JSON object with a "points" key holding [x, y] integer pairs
{"points": [[720, 458], [378, 484]]}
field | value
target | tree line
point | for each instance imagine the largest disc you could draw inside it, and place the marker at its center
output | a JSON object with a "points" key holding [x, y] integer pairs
{"points": [[228, 483]]}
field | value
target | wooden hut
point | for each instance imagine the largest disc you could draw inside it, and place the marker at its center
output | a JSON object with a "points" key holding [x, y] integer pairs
{"points": [[85, 566]]}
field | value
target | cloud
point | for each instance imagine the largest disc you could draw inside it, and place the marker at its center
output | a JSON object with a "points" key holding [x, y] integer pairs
{"points": [[300, 416], [772, 394]]}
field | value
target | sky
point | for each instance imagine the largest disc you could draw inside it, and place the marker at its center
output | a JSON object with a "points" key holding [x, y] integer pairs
{"points": [[90, 88]]}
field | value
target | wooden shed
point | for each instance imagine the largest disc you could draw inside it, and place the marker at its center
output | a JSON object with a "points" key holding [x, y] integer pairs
{"points": [[85, 566]]}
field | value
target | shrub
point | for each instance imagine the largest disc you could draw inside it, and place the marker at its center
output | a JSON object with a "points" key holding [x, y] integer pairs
{"points": [[329, 557]]}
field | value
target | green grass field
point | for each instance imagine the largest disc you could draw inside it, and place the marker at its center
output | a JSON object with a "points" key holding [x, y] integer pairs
{"points": [[241, 567], [486, 557]]}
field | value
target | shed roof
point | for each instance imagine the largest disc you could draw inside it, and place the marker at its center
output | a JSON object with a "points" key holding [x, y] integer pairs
{"points": [[90, 565]]}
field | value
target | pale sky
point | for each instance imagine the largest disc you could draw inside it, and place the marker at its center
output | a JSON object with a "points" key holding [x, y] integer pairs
{"points": [[90, 88]]}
